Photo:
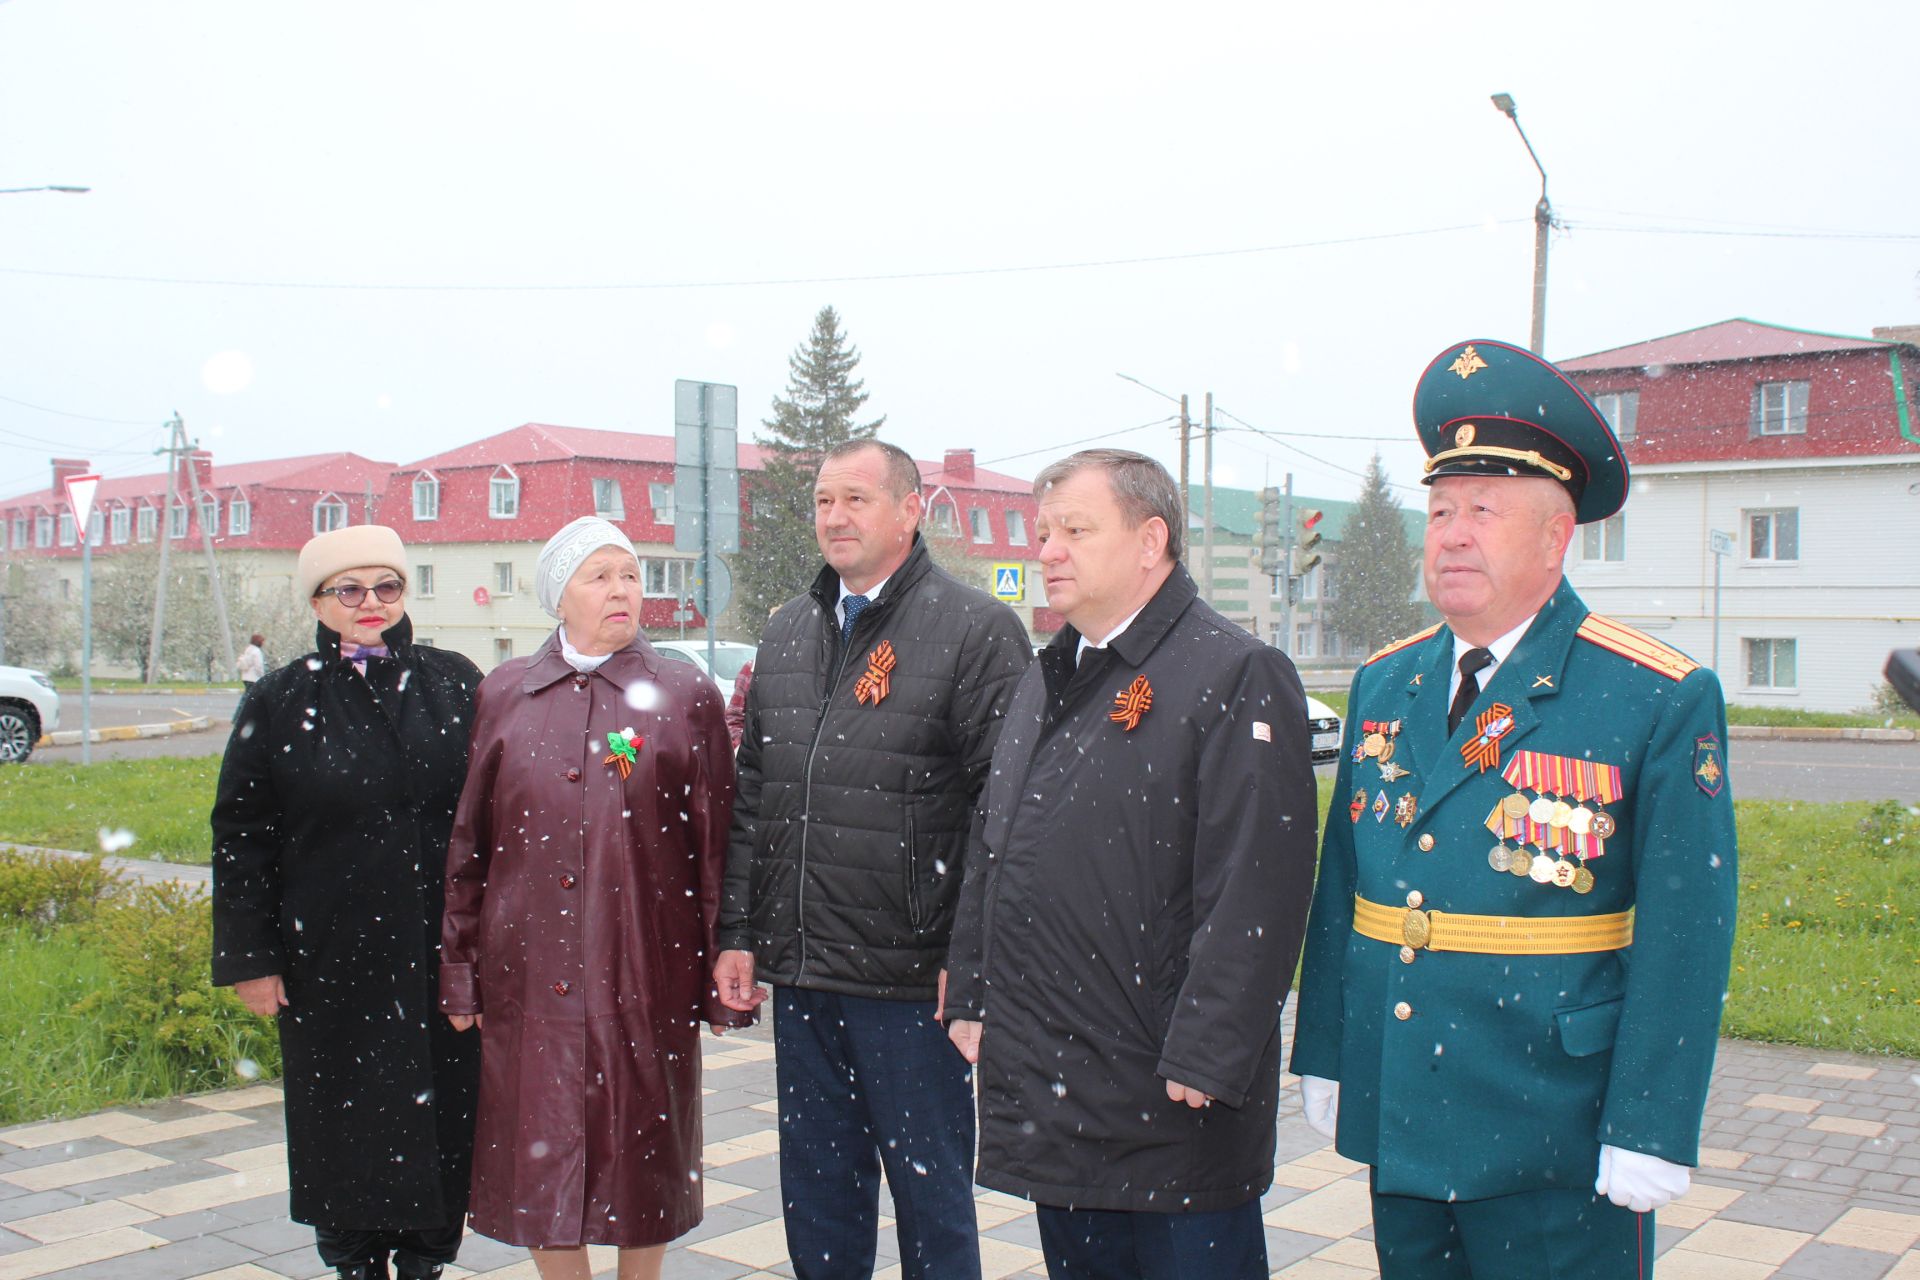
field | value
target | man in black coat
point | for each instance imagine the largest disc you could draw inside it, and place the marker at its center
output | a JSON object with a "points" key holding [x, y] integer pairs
{"points": [[876, 701], [1136, 902]]}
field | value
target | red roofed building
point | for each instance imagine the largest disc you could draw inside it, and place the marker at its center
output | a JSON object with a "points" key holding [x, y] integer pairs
{"points": [[1799, 454], [474, 520]]}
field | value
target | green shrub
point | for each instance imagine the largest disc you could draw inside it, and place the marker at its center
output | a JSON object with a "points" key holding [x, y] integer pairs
{"points": [[156, 941], [44, 889]]}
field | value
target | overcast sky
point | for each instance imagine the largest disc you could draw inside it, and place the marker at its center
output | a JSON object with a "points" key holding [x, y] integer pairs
{"points": [[396, 227]]}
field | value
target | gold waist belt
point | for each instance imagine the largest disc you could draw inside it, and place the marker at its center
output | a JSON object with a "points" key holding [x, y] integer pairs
{"points": [[1491, 935]]}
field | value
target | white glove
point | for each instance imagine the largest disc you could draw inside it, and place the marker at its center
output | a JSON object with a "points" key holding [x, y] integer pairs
{"points": [[1320, 1100], [1639, 1182]]}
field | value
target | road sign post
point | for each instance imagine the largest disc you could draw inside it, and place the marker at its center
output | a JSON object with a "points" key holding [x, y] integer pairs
{"points": [[706, 489], [80, 491], [1720, 545]]}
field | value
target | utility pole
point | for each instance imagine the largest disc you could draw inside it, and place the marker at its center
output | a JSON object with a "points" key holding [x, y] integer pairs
{"points": [[1186, 502], [1206, 506], [1286, 568], [173, 450], [178, 448], [1542, 224]]}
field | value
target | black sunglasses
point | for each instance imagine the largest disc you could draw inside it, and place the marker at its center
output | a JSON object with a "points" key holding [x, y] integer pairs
{"points": [[353, 593]]}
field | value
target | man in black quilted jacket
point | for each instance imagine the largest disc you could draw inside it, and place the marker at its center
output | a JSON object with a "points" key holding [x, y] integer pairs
{"points": [[876, 701]]}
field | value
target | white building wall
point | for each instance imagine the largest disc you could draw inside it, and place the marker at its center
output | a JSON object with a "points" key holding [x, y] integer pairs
{"points": [[1851, 597]]}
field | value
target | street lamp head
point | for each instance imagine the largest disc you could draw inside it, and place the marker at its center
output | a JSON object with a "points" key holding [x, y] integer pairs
{"points": [[1504, 101], [72, 191]]}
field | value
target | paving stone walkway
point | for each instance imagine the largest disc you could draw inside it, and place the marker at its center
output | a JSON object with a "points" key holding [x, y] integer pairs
{"points": [[1811, 1169]]}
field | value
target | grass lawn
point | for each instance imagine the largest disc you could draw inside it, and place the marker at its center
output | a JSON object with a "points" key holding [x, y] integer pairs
{"points": [[1788, 717], [123, 684], [163, 802]]}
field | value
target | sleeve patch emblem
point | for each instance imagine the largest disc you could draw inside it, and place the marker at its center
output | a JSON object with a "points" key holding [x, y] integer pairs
{"points": [[1708, 773]]}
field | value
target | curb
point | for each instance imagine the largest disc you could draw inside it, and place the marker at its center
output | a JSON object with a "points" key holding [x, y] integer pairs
{"points": [[1810, 733], [141, 869], [127, 732]]}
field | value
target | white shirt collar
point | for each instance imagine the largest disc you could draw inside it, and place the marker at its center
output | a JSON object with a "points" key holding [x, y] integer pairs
{"points": [[871, 593], [1500, 649], [1086, 644], [579, 661]]}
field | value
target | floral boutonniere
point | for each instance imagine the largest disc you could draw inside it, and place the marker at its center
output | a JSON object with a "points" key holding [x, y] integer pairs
{"points": [[1131, 703], [623, 751]]}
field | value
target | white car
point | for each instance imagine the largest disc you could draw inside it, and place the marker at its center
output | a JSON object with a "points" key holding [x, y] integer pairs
{"points": [[29, 707], [1324, 725], [728, 658]]}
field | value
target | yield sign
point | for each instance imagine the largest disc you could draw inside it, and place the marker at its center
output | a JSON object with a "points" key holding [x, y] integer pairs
{"points": [[80, 498]]}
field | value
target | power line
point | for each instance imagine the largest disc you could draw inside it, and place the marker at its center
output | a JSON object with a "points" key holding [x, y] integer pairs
{"points": [[870, 278], [1313, 458], [1746, 235], [1068, 444], [85, 417]]}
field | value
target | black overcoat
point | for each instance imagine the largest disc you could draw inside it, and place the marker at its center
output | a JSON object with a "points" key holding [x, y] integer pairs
{"points": [[330, 831], [1132, 914]]}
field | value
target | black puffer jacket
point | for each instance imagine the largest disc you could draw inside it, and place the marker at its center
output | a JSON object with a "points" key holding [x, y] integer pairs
{"points": [[852, 817]]}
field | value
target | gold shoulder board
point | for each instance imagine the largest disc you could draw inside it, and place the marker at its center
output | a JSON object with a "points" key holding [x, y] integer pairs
{"points": [[1637, 646], [1398, 645]]}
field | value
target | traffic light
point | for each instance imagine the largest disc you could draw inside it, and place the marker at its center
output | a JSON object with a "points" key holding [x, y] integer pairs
{"points": [[1270, 548], [1304, 555]]}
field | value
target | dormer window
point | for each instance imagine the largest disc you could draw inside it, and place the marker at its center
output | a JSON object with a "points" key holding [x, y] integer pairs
{"points": [[329, 514], [426, 496], [503, 494]]}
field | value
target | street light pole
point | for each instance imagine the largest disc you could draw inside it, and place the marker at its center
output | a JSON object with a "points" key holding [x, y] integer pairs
{"points": [[1542, 223]]}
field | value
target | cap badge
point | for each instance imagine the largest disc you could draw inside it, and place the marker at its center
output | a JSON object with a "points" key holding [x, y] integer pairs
{"points": [[1464, 436], [1467, 363]]}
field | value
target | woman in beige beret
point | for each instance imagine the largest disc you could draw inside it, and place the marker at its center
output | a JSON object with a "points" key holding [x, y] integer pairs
{"points": [[330, 828]]}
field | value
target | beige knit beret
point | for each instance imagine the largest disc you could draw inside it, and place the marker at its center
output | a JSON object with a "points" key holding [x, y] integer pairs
{"points": [[357, 546]]}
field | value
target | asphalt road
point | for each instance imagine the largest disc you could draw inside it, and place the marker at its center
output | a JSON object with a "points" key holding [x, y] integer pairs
{"points": [[1763, 769]]}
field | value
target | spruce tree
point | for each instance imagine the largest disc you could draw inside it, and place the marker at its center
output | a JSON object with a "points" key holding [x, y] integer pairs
{"points": [[778, 553], [1373, 602]]}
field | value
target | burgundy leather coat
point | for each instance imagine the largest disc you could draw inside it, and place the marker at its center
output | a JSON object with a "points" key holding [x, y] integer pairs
{"points": [[579, 921]]}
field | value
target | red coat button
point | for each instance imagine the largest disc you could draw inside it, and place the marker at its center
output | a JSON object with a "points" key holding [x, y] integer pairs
{"points": [[579, 682], [561, 988], [567, 882], [573, 775]]}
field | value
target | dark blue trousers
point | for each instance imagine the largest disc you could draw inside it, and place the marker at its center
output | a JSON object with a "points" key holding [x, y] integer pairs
{"points": [[867, 1085], [1107, 1244], [1568, 1234]]}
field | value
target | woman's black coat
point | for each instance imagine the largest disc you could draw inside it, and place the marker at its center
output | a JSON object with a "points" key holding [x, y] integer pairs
{"points": [[330, 831]]}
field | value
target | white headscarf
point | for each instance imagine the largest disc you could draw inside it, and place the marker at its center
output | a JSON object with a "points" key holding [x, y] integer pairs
{"points": [[564, 552]]}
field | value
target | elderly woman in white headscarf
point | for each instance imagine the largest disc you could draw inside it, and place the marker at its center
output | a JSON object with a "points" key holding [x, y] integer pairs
{"points": [[583, 881]]}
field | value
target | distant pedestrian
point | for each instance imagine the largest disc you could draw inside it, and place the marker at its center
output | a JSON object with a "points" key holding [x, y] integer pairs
{"points": [[1135, 900], [252, 664], [330, 831]]}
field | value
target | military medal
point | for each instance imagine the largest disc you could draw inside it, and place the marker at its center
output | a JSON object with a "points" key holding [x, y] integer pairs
{"points": [[1359, 805], [1603, 825], [1404, 808], [1522, 865], [1500, 858], [1541, 810], [1563, 873], [1582, 879], [1580, 820], [1380, 808], [1373, 744], [1561, 812], [1389, 771], [1540, 870], [1515, 805]]}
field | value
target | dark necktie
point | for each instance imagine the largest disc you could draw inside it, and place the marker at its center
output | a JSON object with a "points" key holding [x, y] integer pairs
{"points": [[1472, 663], [854, 606]]}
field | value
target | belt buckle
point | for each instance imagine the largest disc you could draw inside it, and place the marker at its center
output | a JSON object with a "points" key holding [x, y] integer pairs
{"points": [[1416, 928]]}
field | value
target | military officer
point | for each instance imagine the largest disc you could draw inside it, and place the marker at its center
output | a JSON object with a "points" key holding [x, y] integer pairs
{"points": [[1520, 936]]}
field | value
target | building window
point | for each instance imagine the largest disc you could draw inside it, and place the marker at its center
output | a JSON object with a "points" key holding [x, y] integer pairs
{"points": [[43, 531], [1017, 528], [944, 519], [1772, 664], [96, 527], [503, 495], [502, 649], [122, 525], [422, 585], [19, 533], [1310, 584], [660, 498], [426, 497], [67, 536], [148, 523], [1621, 409], [607, 502], [239, 514], [666, 579], [503, 577], [1773, 535], [980, 519], [329, 513], [1780, 409], [1605, 539], [209, 513], [177, 520], [1303, 640]]}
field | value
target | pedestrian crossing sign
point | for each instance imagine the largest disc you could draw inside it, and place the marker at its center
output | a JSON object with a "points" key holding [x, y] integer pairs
{"points": [[1010, 582]]}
